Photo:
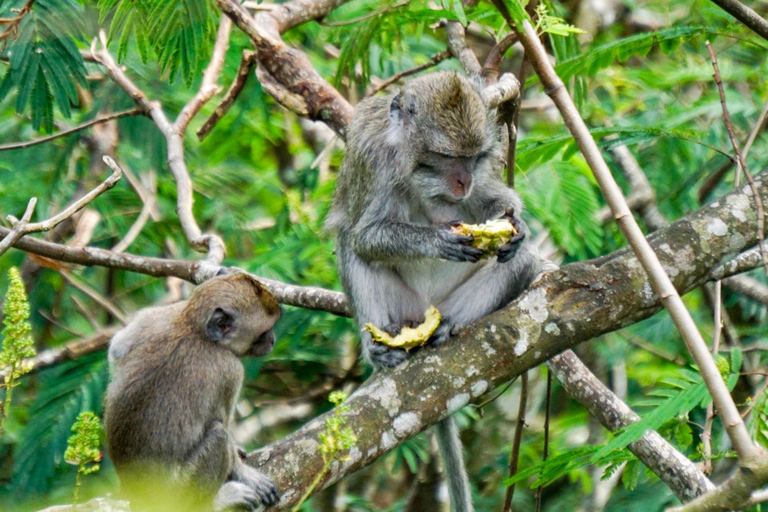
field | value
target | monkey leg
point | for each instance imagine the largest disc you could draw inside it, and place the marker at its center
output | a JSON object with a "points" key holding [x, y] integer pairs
{"points": [[379, 297], [493, 286], [210, 463]]}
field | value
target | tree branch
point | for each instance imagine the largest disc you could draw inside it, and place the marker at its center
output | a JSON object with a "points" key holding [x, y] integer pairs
{"points": [[661, 282], [70, 131], [175, 143], [24, 227], [745, 15], [285, 72], [564, 308]]}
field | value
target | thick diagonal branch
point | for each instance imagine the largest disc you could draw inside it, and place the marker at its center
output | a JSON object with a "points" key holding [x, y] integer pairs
{"points": [[568, 306]]}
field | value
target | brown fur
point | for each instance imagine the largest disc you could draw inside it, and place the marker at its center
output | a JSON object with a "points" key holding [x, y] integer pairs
{"points": [[172, 384]]}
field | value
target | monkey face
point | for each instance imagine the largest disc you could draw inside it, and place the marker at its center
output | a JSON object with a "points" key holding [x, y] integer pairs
{"points": [[446, 178], [237, 314], [263, 345]]}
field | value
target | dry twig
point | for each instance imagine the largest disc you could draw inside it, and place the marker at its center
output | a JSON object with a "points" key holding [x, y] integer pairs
{"points": [[23, 227], [70, 131], [742, 163]]}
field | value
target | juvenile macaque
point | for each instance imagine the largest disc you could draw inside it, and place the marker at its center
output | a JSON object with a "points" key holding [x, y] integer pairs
{"points": [[176, 374], [419, 162]]}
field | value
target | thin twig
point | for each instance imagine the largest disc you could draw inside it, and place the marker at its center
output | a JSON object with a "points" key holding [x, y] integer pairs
{"points": [[13, 23], [745, 15], [99, 299], [545, 452], [514, 455], [752, 404], [24, 227], [659, 280], [741, 161], [144, 215], [209, 85], [173, 133], [86, 312], [706, 436], [247, 62], [432, 62], [383, 10], [70, 131]]}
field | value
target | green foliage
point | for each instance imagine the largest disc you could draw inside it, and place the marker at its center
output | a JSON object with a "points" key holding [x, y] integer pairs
{"points": [[683, 394], [646, 87], [45, 63], [333, 441], [83, 448], [179, 33], [17, 342], [554, 25]]}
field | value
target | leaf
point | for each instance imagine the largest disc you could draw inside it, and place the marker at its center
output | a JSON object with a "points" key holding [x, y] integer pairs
{"points": [[45, 62], [680, 403]]}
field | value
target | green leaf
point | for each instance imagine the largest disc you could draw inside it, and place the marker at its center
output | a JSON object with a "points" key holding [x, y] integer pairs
{"points": [[680, 402]]}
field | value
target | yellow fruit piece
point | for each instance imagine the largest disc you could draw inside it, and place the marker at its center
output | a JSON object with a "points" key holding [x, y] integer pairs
{"points": [[489, 236], [409, 337]]}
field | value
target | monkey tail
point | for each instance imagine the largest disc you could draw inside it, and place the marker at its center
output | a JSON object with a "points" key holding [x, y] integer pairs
{"points": [[450, 448]]}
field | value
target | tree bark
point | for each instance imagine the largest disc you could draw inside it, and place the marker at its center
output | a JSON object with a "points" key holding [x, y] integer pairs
{"points": [[565, 307]]}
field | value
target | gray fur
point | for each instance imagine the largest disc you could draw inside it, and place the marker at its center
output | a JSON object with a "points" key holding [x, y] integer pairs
{"points": [[404, 179], [170, 405]]}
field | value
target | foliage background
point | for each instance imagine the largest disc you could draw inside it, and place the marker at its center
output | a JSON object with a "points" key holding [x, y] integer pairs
{"points": [[643, 79]]}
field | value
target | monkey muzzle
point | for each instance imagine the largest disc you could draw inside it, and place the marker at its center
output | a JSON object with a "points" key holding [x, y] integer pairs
{"points": [[263, 344]]}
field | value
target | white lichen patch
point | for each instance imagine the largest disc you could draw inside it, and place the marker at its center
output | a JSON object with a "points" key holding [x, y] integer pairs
{"points": [[352, 457], [471, 370], [387, 440], [407, 424], [535, 305], [717, 227], [457, 402], [492, 328], [647, 292], [488, 349], [685, 259], [386, 394], [552, 328], [459, 382], [739, 206], [433, 360], [287, 496], [522, 344], [478, 388], [737, 241], [371, 453], [716, 204], [537, 354]]}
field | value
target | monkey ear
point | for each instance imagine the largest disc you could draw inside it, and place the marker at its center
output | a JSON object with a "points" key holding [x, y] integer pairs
{"points": [[403, 108], [219, 324]]}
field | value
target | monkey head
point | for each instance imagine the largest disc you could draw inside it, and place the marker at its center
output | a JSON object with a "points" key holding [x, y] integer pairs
{"points": [[235, 312], [451, 133]]}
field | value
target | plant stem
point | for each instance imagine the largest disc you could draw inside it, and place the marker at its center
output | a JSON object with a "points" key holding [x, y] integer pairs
{"points": [[659, 280], [315, 483]]}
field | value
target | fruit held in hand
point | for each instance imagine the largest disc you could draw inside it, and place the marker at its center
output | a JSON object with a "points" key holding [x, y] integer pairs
{"points": [[489, 236], [409, 337]]}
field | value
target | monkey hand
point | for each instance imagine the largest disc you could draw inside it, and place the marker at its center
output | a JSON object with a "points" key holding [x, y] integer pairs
{"points": [[454, 247], [444, 332], [508, 251], [257, 484]]}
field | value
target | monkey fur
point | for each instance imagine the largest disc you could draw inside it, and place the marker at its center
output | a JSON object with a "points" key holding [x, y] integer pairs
{"points": [[176, 374], [418, 161]]}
